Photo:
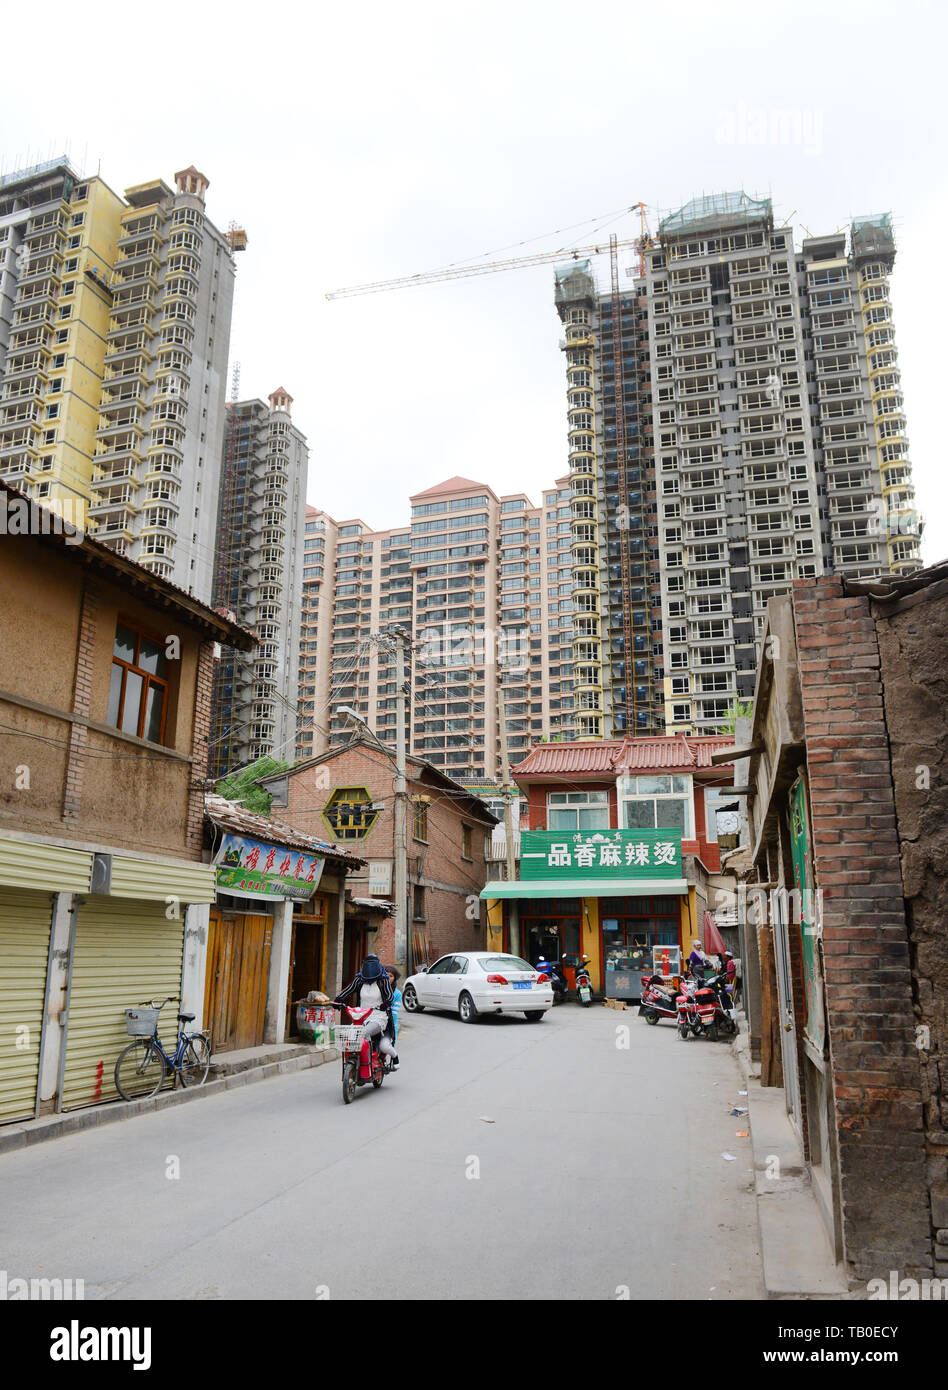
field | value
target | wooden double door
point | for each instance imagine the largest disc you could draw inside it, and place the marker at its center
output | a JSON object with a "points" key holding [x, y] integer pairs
{"points": [[238, 973]]}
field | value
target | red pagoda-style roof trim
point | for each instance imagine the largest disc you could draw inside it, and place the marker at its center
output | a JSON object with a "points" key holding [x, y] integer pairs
{"points": [[609, 758]]}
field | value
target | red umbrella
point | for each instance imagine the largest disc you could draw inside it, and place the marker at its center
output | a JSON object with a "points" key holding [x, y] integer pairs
{"points": [[713, 943]]}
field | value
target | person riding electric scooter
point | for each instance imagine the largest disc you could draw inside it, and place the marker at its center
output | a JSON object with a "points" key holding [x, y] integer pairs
{"points": [[372, 988]]}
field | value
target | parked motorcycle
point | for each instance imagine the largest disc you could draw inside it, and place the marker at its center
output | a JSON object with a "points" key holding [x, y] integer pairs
{"points": [[361, 1060], [689, 1023], [658, 1001], [583, 983], [553, 971], [715, 1012]]}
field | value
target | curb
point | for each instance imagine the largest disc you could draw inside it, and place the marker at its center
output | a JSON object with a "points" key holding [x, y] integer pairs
{"points": [[795, 1253], [21, 1136]]}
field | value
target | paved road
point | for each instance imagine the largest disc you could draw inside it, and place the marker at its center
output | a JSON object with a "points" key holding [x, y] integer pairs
{"points": [[600, 1172]]}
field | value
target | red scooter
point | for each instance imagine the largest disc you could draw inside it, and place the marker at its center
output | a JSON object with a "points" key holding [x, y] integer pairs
{"points": [[361, 1060], [657, 1000], [689, 1022], [715, 1017]]}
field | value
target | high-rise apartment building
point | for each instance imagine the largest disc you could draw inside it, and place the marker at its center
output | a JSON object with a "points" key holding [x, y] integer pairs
{"points": [[483, 584], [114, 334], [259, 577], [764, 439], [161, 426], [316, 625], [58, 244], [616, 580]]}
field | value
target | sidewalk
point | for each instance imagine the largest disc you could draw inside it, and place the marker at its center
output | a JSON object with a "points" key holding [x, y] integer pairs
{"points": [[228, 1071], [797, 1259]]}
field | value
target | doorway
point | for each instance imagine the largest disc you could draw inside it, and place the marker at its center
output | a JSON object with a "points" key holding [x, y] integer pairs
{"points": [[238, 972], [306, 958]]}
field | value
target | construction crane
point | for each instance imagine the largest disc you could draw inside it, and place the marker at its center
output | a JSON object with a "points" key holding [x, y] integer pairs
{"points": [[461, 272], [641, 243]]}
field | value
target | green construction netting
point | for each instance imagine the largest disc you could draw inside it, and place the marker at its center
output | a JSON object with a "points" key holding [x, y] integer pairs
{"points": [[716, 210]]}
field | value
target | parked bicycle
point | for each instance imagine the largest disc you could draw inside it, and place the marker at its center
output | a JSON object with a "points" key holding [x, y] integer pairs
{"points": [[143, 1066]]}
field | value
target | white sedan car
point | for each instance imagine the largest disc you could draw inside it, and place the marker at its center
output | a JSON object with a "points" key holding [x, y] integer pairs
{"points": [[479, 982]]}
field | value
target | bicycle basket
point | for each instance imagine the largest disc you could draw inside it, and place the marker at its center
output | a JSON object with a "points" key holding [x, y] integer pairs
{"points": [[350, 1036], [141, 1023]]}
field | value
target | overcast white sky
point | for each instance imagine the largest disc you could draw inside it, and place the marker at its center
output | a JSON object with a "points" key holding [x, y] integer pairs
{"points": [[364, 141]]}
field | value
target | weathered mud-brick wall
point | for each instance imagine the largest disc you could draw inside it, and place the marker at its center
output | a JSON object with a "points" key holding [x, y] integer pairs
{"points": [[869, 993], [913, 646]]}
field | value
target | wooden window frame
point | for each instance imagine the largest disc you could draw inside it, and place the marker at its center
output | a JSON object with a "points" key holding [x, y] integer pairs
{"points": [[148, 678]]}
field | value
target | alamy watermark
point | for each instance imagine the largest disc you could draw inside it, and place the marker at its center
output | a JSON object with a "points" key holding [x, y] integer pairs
{"points": [[14, 1289], [57, 516], [907, 1290], [771, 125]]}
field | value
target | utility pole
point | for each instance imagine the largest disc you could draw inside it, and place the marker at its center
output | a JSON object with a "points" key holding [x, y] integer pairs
{"points": [[509, 790], [402, 918]]}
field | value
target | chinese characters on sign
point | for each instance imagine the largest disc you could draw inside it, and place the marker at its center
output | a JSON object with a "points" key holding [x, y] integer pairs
{"points": [[251, 866], [618, 854]]}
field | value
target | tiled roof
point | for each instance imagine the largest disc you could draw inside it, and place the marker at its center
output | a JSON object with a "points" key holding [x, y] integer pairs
{"points": [[134, 574], [549, 758], [227, 815], [612, 757], [676, 751]]}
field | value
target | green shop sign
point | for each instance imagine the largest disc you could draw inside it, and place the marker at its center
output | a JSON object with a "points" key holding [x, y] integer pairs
{"points": [[618, 854]]}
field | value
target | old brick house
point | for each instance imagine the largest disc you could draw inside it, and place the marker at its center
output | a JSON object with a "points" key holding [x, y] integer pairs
{"points": [[347, 796], [105, 688], [845, 904]]}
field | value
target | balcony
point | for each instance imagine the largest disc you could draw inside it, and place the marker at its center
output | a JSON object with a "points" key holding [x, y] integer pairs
{"points": [[107, 500], [126, 424], [114, 526], [134, 228], [123, 470]]}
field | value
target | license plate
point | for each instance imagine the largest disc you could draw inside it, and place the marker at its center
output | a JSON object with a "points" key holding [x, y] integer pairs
{"points": [[522, 984], [584, 992]]}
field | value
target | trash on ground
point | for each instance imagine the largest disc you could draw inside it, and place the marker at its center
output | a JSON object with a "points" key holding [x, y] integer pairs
{"points": [[731, 1158], [741, 1133], [487, 1119]]}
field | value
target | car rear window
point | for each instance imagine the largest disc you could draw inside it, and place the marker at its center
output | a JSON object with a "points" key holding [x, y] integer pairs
{"points": [[503, 963]]}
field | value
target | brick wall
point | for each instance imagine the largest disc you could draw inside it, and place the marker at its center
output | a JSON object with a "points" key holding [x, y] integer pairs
{"points": [[913, 641], [81, 704], [452, 883], [871, 1023], [201, 732]]}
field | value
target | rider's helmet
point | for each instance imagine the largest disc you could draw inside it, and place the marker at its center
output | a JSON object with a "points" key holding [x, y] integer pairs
{"points": [[371, 969]]}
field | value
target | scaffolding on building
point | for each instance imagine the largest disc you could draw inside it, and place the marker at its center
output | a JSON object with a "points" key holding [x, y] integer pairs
{"points": [[873, 237], [717, 212], [228, 587]]}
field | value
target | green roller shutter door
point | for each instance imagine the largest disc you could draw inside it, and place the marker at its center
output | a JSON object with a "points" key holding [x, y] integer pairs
{"points": [[126, 951], [25, 920]]}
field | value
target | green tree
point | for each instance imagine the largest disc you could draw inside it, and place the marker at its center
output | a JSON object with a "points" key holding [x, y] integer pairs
{"points": [[240, 785], [740, 709]]}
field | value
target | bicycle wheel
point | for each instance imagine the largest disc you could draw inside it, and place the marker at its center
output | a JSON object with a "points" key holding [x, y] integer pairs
{"points": [[140, 1070], [195, 1061]]}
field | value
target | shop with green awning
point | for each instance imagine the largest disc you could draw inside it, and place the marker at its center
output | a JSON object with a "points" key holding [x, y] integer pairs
{"points": [[619, 897]]}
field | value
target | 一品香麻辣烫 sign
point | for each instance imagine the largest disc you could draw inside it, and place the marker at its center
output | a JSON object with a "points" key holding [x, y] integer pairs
{"points": [[620, 854]]}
